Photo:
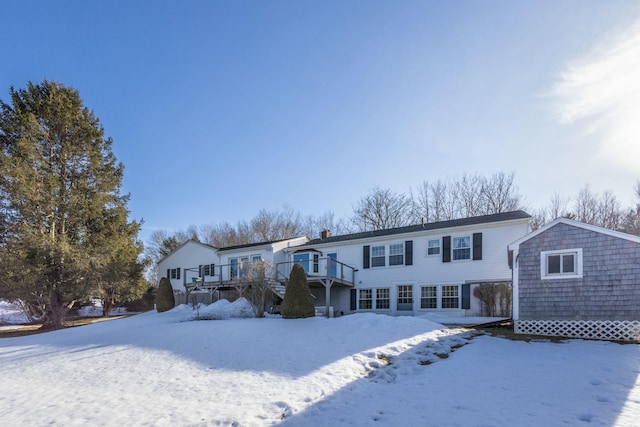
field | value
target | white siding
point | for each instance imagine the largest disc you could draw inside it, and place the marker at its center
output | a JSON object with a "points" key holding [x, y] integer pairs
{"points": [[272, 253], [189, 256], [430, 269]]}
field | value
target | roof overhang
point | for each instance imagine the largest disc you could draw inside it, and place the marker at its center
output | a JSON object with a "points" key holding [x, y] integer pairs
{"points": [[618, 234]]}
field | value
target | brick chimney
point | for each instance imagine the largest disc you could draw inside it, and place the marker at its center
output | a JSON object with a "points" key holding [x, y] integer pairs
{"points": [[324, 234]]}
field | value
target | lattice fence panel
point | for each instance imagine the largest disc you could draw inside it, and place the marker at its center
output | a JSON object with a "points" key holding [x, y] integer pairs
{"points": [[613, 330]]}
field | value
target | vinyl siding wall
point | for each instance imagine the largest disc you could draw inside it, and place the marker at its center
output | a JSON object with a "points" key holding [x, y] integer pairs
{"points": [[430, 269], [191, 255]]}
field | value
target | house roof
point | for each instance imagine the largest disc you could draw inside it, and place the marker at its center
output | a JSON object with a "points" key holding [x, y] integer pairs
{"points": [[578, 224], [429, 226], [251, 245], [184, 244]]}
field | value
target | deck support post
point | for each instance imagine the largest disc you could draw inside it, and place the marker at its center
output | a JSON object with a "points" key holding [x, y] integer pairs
{"points": [[327, 292]]}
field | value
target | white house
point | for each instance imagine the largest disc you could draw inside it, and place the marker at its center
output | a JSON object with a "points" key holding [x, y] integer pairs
{"points": [[182, 264], [413, 270], [235, 262], [432, 267], [195, 266]]}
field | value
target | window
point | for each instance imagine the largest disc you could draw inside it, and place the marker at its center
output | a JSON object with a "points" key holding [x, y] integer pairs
{"points": [[233, 268], [428, 297], [206, 270], [462, 248], [433, 247], [303, 260], [405, 297], [450, 296], [396, 254], [316, 263], [256, 258], [562, 264], [173, 273], [244, 267], [377, 256], [382, 299], [365, 299]]}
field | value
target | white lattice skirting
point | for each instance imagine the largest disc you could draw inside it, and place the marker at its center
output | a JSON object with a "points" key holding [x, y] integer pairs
{"points": [[614, 330]]}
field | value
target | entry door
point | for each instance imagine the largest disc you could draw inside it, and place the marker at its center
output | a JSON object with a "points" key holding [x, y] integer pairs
{"points": [[405, 297]]}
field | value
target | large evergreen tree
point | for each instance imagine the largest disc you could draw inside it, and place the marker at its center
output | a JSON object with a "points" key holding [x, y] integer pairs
{"points": [[65, 221]]}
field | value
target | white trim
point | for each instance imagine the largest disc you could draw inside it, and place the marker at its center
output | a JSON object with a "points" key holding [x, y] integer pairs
{"points": [[204, 245], [577, 274], [470, 247], [416, 234], [515, 287], [578, 224], [291, 245], [439, 240], [619, 330]]}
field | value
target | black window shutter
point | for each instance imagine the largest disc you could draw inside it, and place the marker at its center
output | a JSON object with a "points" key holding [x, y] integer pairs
{"points": [[177, 273], [365, 256], [168, 273], [200, 270], [408, 252], [212, 271], [466, 296], [446, 249], [477, 246], [353, 299]]}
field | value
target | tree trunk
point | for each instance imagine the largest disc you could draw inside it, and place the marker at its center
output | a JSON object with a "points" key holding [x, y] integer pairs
{"points": [[107, 303], [54, 318]]}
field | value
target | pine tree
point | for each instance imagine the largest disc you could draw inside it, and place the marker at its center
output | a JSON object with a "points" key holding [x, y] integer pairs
{"points": [[117, 273], [297, 302], [60, 198]]}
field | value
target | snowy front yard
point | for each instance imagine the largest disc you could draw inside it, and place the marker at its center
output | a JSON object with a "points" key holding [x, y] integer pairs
{"points": [[360, 370]]}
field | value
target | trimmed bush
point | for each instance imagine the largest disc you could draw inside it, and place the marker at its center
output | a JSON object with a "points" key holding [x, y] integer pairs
{"points": [[164, 298], [298, 302]]}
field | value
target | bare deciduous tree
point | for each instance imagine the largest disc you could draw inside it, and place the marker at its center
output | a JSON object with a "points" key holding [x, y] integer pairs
{"points": [[382, 209], [632, 218], [257, 284], [585, 208], [603, 210], [470, 195], [500, 194], [558, 207]]}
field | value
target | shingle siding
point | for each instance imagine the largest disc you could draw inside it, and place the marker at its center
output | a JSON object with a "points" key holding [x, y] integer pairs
{"points": [[608, 290]]}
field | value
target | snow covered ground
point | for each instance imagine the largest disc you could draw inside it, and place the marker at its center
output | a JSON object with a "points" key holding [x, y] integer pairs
{"points": [[360, 370], [10, 314]]}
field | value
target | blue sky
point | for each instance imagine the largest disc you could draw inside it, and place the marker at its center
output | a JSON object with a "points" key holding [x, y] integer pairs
{"points": [[220, 108]]}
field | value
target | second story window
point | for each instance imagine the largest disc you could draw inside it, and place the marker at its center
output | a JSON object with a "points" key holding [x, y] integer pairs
{"points": [[377, 256], [396, 254], [461, 248], [433, 247]]}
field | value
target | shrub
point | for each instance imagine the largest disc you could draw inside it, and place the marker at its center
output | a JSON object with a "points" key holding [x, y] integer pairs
{"points": [[490, 294], [164, 298], [144, 303], [298, 302]]}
